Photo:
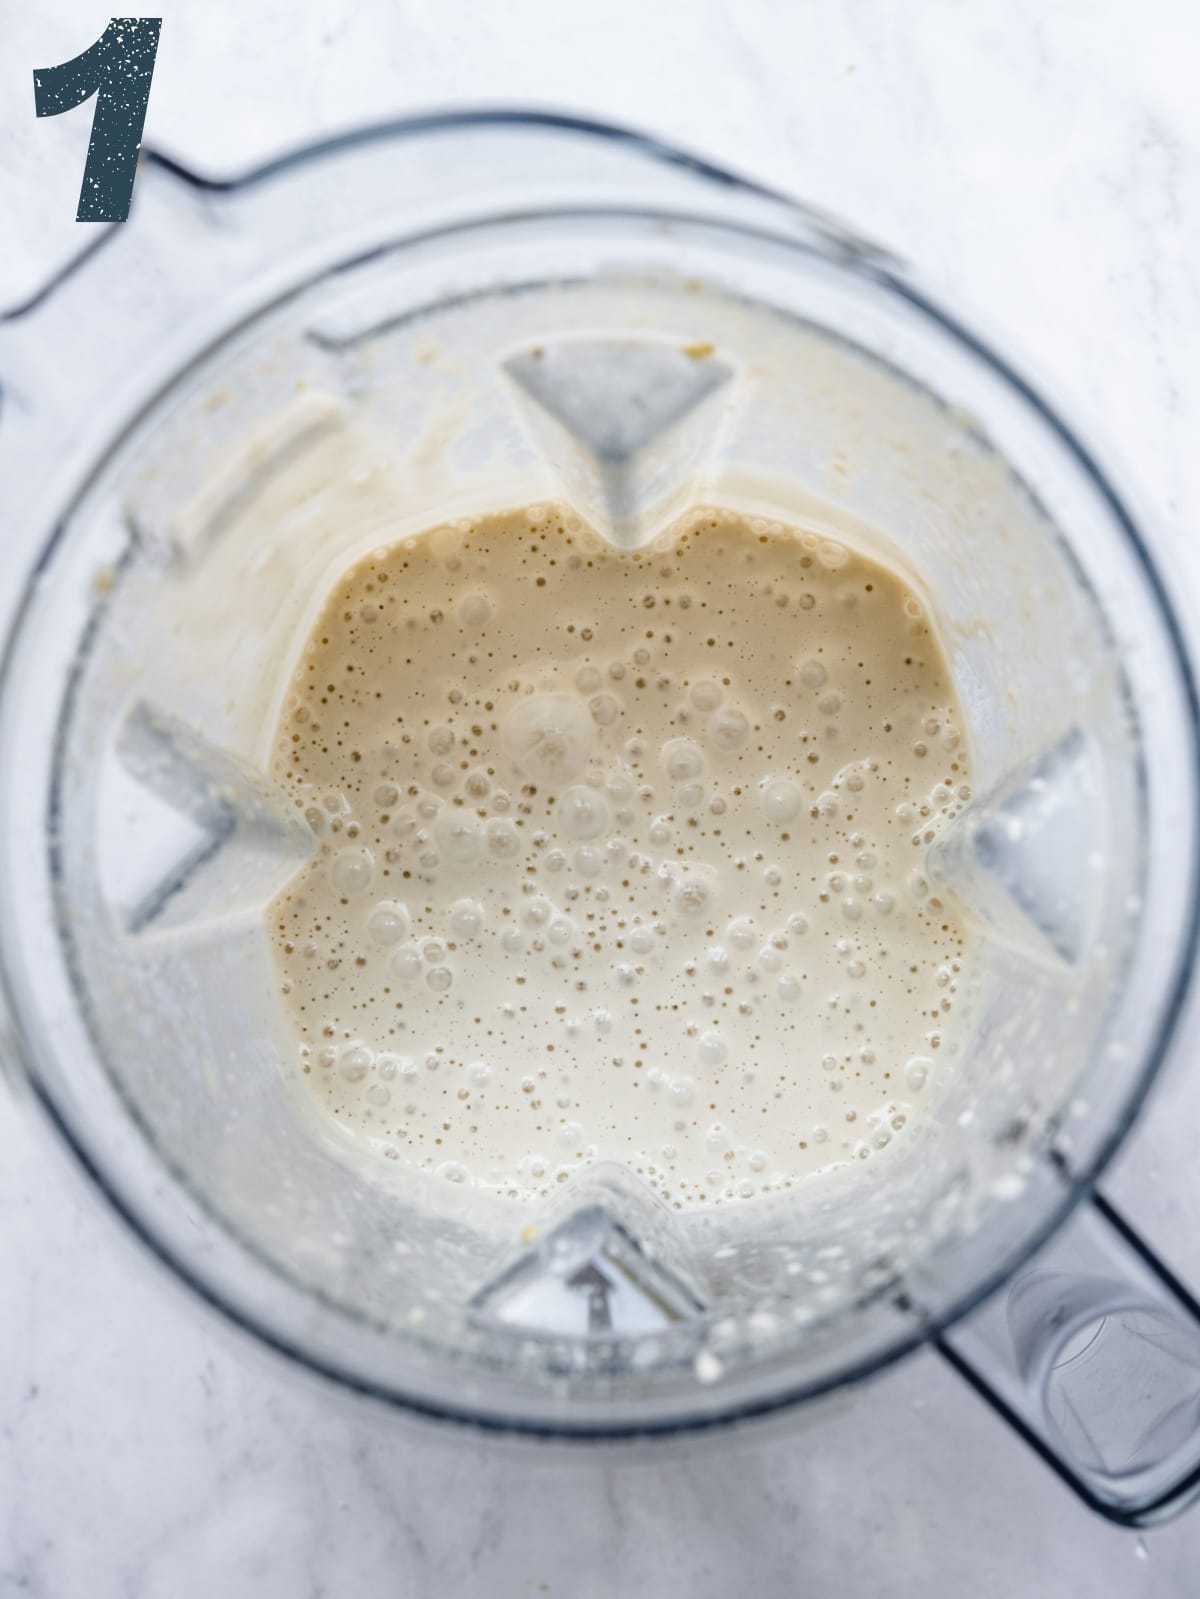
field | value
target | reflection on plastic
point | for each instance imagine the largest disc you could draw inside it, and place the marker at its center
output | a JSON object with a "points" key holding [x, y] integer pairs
{"points": [[1094, 1354]]}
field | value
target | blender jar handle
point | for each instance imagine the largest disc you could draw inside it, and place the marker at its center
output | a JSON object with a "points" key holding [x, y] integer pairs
{"points": [[1092, 1352]]}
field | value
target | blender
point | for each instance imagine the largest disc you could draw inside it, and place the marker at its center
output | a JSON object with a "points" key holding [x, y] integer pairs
{"points": [[483, 311]]}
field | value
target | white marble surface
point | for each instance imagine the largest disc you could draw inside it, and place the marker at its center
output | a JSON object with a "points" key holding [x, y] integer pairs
{"points": [[1042, 163]]}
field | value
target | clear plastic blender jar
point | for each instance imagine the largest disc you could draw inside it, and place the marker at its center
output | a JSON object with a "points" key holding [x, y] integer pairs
{"points": [[494, 308]]}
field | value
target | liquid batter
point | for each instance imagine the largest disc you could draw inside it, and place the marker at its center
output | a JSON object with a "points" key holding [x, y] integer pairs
{"points": [[619, 855]]}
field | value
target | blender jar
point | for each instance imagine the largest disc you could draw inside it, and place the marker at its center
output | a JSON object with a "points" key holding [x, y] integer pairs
{"points": [[476, 312]]}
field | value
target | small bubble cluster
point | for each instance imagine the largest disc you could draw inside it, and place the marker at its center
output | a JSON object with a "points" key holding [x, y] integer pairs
{"points": [[620, 855]]}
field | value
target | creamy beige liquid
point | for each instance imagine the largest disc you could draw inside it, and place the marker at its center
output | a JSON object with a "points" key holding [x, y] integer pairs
{"points": [[619, 856]]}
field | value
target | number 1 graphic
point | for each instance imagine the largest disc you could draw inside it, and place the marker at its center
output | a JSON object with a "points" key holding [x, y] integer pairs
{"points": [[117, 69]]}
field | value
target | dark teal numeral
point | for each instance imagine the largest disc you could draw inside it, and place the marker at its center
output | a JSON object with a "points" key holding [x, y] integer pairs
{"points": [[117, 69]]}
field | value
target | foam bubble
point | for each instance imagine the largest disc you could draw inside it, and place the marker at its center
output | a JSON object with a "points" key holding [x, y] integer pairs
{"points": [[475, 610], [812, 674], [582, 813], [502, 839], [467, 918], [538, 912], [355, 1062], [682, 759], [588, 861], [604, 709], [706, 696], [781, 799], [458, 838], [916, 1072], [712, 1050], [351, 870], [389, 922], [728, 728], [406, 963], [549, 737], [694, 889]]}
